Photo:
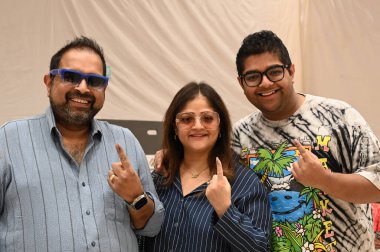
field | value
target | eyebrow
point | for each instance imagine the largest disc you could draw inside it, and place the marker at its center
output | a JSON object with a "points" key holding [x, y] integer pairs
{"points": [[257, 71], [193, 113]]}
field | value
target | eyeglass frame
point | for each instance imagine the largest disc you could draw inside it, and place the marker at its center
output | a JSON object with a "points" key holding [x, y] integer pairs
{"points": [[242, 76], [62, 71], [199, 117]]}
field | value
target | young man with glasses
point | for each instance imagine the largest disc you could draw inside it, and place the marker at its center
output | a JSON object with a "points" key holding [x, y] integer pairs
{"points": [[57, 191], [319, 186]]}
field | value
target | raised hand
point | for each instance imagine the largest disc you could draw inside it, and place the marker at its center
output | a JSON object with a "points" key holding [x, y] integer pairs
{"points": [[308, 170], [123, 179], [218, 191]]}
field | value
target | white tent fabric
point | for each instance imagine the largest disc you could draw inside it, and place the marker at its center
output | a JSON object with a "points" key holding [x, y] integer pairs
{"points": [[154, 47]]}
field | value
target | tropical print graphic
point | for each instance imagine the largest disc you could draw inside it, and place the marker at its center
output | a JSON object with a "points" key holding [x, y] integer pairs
{"points": [[297, 214], [305, 218]]}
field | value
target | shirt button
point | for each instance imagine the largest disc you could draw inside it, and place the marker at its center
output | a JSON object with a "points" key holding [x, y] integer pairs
{"points": [[170, 250], [88, 212], [93, 244], [83, 184], [176, 224]]}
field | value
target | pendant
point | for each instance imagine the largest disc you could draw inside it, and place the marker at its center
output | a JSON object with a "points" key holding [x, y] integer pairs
{"points": [[194, 175]]}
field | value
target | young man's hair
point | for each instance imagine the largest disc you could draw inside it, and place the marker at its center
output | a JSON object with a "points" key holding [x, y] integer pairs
{"points": [[174, 152], [78, 43], [258, 43]]}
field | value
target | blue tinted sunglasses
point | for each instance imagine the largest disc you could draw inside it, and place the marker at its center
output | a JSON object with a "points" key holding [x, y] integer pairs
{"points": [[75, 78]]}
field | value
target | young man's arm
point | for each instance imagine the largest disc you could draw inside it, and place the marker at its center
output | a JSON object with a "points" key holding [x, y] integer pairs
{"points": [[355, 188]]}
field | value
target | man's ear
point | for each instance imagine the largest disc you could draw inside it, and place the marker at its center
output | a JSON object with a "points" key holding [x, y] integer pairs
{"points": [[48, 83], [240, 82], [292, 71]]}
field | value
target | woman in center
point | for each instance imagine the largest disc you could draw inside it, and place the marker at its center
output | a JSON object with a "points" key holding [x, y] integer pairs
{"points": [[211, 203]]}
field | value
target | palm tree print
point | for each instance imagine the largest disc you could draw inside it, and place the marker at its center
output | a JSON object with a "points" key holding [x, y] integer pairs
{"points": [[311, 193], [273, 162]]}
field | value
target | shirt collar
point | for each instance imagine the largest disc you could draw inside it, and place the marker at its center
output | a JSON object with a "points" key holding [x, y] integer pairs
{"points": [[177, 184]]}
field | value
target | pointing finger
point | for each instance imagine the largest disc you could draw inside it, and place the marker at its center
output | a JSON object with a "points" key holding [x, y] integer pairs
{"points": [[122, 156], [219, 168], [300, 148]]}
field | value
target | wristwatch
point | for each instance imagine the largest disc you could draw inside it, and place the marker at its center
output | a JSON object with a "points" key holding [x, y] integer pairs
{"points": [[138, 202]]}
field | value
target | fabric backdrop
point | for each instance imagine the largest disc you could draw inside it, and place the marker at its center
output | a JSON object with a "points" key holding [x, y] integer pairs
{"points": [[154, 47]]}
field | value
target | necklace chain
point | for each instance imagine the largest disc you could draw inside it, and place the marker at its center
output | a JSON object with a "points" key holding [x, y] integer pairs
{"points": [[196, 175]]}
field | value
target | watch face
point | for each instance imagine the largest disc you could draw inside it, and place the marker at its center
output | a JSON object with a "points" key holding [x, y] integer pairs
{"points": [[142, 202]]}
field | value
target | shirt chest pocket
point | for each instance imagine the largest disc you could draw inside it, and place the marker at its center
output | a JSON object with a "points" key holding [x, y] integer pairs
{"points": [[115, 208]]}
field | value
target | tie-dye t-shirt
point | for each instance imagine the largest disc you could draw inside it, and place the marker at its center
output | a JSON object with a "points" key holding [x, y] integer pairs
{"points": [[304, 218]]}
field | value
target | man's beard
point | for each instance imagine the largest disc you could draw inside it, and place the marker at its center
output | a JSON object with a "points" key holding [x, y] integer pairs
{"points": [[64, 114]]}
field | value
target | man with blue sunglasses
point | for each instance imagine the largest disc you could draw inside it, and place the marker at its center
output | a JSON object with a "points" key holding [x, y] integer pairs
{"points": [[69, 182]]}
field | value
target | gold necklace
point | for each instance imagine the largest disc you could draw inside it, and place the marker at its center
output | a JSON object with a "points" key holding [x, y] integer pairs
{"points": [[196, 175]]}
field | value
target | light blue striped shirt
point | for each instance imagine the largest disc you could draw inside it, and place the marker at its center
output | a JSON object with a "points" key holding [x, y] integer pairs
{"points": [[49, 203]]}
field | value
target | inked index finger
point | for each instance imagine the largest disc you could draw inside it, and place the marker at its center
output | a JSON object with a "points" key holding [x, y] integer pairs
{"points": [[300, 148], [219, 168], [122, 156]]}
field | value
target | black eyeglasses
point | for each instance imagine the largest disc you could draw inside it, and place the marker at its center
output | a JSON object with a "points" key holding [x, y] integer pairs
{"points": [[74, 77], [273, 73]]}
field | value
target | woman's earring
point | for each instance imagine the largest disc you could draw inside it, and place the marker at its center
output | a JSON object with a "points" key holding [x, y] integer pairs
{"points": [[220, 135], [175, 136]]}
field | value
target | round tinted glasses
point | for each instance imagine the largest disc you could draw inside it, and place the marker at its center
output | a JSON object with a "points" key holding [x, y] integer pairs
{"points": [[186, 120]]}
